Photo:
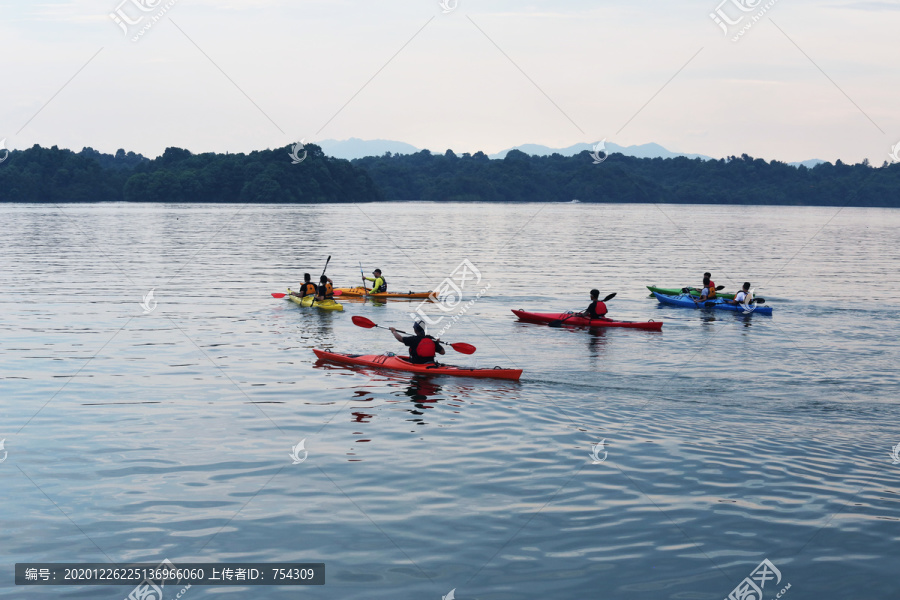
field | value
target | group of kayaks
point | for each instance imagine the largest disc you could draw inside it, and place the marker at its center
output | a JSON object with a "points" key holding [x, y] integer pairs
{"points": [[686, 298], [354, 292], [681, 297]]}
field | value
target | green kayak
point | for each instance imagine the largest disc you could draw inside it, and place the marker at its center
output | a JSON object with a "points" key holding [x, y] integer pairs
{"points": [[677, 291]]}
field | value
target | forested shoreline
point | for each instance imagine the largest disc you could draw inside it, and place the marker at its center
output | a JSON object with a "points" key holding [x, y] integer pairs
{"points": [[269, 176]]}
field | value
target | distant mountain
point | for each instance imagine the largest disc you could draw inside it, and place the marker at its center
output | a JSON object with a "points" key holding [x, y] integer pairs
{"points": [[357, 148], [639, 151], [809, 164]]}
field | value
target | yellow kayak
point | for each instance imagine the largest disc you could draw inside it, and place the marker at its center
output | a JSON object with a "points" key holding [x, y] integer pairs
{"points": [[311, 301]]}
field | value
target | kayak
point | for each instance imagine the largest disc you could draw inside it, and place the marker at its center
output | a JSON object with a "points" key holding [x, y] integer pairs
{"points": [[684, 301], [311, 301], [677, 292], [398, 363], [361, 291], [568, 319]]}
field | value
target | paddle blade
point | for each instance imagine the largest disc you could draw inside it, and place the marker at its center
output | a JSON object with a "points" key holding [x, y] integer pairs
{"points": [[719, 288], [556, 323], [363, 322], [337, 292], [274, 295], [610, 297], [463, 348]]}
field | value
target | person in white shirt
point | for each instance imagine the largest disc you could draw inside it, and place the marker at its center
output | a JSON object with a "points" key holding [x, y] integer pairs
{"points": [[743, 296]]}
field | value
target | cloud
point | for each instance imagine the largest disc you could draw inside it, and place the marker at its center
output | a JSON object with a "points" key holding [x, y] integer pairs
{"points": [[871, 6]]}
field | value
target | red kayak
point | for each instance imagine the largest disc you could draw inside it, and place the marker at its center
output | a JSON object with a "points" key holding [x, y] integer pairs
{"points": [[569, 319], [398, 363]]}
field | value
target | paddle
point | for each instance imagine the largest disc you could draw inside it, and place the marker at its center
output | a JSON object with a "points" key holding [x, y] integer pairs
{"points": [[460, 347], [686, 290], [711, 304], [719, 288], [363, 276], [559, 322], [276, 295]]}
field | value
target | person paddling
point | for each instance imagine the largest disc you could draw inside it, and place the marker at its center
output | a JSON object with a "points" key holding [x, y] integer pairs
{"points": [[422, 348], [326, 289], [596, 309], [307, 288], [709, 289], [379, 285], [742, 297]]}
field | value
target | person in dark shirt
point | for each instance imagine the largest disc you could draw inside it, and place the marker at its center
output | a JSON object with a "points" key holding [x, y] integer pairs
{"points": [[422, 348], [326, 289], [596, 309], [307, 288]]}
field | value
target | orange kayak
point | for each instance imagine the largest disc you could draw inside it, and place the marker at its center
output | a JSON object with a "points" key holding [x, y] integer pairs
{"points": [[398, 363], [361, 291]]}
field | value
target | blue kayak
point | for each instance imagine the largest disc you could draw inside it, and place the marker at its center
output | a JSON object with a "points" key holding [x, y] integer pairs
{"points": [[685, 301]]}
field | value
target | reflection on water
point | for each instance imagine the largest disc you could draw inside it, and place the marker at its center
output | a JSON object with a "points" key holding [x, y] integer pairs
{"points": [[134, 436], [422, 391]]}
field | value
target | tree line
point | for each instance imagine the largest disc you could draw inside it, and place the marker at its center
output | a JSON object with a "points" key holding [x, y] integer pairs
{"points": [[269, 176], [619, 178]]}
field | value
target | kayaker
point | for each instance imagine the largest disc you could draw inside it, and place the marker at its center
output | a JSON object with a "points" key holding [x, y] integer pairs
{"points": [[326, 289], [422, 348], [307, 288], [596, 309], [742, 296], [379, 285], [708, 292]]}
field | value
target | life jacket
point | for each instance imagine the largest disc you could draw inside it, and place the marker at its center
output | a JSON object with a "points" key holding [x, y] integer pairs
{"points": [[426, 348], [600, 308], [710, 289], [328, 289], [308, 289], [381, 288]]}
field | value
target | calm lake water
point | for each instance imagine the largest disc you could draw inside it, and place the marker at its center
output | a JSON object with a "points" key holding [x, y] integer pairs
{"points": [[729, 438]]}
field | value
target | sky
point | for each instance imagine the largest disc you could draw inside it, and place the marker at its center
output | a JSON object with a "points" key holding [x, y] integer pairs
{"points": [[804, 80]]}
